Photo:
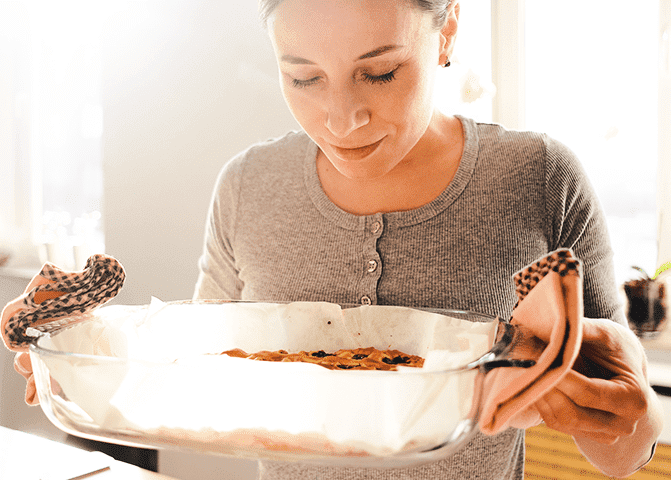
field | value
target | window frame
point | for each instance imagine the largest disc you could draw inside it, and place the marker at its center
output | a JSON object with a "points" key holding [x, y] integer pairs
{"points": [[508, 67], [664, 141]]}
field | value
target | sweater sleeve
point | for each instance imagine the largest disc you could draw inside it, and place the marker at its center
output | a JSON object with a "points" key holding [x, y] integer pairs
{"points": [[218, 274], [577, 221]]}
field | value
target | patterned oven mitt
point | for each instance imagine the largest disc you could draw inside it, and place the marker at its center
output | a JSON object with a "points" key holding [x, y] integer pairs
{"points": [[54, 294], [548, 329]]}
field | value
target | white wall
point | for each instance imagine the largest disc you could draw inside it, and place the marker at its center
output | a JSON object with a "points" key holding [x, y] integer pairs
{"points": [[14, 412], [186, 86]]}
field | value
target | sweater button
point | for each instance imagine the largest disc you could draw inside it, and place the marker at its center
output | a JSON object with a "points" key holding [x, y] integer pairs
{"points": [[376, 227], [365, 300], [372, 266]]}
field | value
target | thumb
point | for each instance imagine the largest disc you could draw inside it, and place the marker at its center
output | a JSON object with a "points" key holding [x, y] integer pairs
{"points": [[527, 418], [24, 366], [31, 392]]}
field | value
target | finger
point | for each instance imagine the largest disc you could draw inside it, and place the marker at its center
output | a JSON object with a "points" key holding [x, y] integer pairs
{"points": [[561, 413], [527, 418], [554, 421], [598, 437], [23, 365], [611, 346], [620, 396], [31, 392]]}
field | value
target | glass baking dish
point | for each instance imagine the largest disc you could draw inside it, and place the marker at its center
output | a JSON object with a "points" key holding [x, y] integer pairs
{"points": [[151, 376]]}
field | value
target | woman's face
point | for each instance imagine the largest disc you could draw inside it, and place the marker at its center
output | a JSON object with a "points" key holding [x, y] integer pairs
{"points": [[358, 77]]}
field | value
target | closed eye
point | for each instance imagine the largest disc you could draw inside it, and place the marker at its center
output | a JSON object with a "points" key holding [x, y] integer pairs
{"points": [[380, 79], [372, 79], [304, 83]]}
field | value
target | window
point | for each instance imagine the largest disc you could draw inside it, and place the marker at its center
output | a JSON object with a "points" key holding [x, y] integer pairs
{"points": [[595, 78], [599, 80], [466, 87], [592, 78], [591, 81], [50, 128]]}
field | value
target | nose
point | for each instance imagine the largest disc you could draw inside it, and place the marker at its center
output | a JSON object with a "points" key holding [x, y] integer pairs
{"points": [[345, 113]]}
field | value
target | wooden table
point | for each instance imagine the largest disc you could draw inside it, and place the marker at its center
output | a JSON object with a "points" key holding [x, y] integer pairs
{"points": [[31, 457]]}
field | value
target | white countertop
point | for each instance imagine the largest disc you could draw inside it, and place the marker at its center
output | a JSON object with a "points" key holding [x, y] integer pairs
{"points": [[29, 457]]}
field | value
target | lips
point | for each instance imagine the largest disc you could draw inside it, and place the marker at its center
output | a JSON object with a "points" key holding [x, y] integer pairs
{"points": [[358, 153]]}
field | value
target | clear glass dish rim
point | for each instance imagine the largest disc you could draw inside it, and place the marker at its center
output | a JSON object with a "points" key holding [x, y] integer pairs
{"points": [[42, 351]]}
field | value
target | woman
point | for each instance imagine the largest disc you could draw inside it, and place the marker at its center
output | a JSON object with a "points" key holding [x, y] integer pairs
{"points": [[383, 199]]}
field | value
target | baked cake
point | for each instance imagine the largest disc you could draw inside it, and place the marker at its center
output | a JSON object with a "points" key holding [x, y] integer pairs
{"points": [[345, 359]]}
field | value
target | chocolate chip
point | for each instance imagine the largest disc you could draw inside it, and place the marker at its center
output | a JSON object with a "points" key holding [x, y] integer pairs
{"points": [[359, 356], [321, 354], [396, 360], [346, 367]]}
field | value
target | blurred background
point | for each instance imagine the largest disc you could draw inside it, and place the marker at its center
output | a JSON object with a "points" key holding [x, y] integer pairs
{"points": [[116, 116]]}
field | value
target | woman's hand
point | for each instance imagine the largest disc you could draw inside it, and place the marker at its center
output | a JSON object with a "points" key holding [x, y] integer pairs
{"points": [[22, 363], [605, 402], [24, 366]]}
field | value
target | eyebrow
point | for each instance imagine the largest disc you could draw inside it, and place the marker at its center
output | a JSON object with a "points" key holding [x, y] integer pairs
{"points": [[374, 53]]}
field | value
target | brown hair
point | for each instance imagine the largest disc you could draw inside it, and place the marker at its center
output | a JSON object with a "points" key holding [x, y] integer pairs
{"points": [[438, 8]]}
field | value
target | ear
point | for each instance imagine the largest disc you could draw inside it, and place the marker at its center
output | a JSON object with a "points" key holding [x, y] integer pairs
{"points": [[448, 34]]}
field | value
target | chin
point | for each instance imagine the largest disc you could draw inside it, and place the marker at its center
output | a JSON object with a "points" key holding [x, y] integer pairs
{"points": [[360, 172], [367, 169]]}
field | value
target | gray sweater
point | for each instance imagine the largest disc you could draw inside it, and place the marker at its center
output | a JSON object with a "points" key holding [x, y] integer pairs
{"points": [[272, 234]]}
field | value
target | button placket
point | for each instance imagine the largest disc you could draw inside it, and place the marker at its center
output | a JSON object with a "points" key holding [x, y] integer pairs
{"points": [[372, 266]]}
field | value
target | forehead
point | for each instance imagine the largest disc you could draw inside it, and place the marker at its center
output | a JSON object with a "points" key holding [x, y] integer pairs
{"points": [[346, 29]]}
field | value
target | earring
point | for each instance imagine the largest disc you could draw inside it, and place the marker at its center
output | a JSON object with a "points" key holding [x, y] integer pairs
{"points": [[447, 63]]}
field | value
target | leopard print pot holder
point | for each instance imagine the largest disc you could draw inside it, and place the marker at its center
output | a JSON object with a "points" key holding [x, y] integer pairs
{"points": [[52, 304], [561, 261]]}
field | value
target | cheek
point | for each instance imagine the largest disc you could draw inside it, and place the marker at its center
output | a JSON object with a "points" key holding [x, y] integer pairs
{"points": [[410, 105], [303, 110]]}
